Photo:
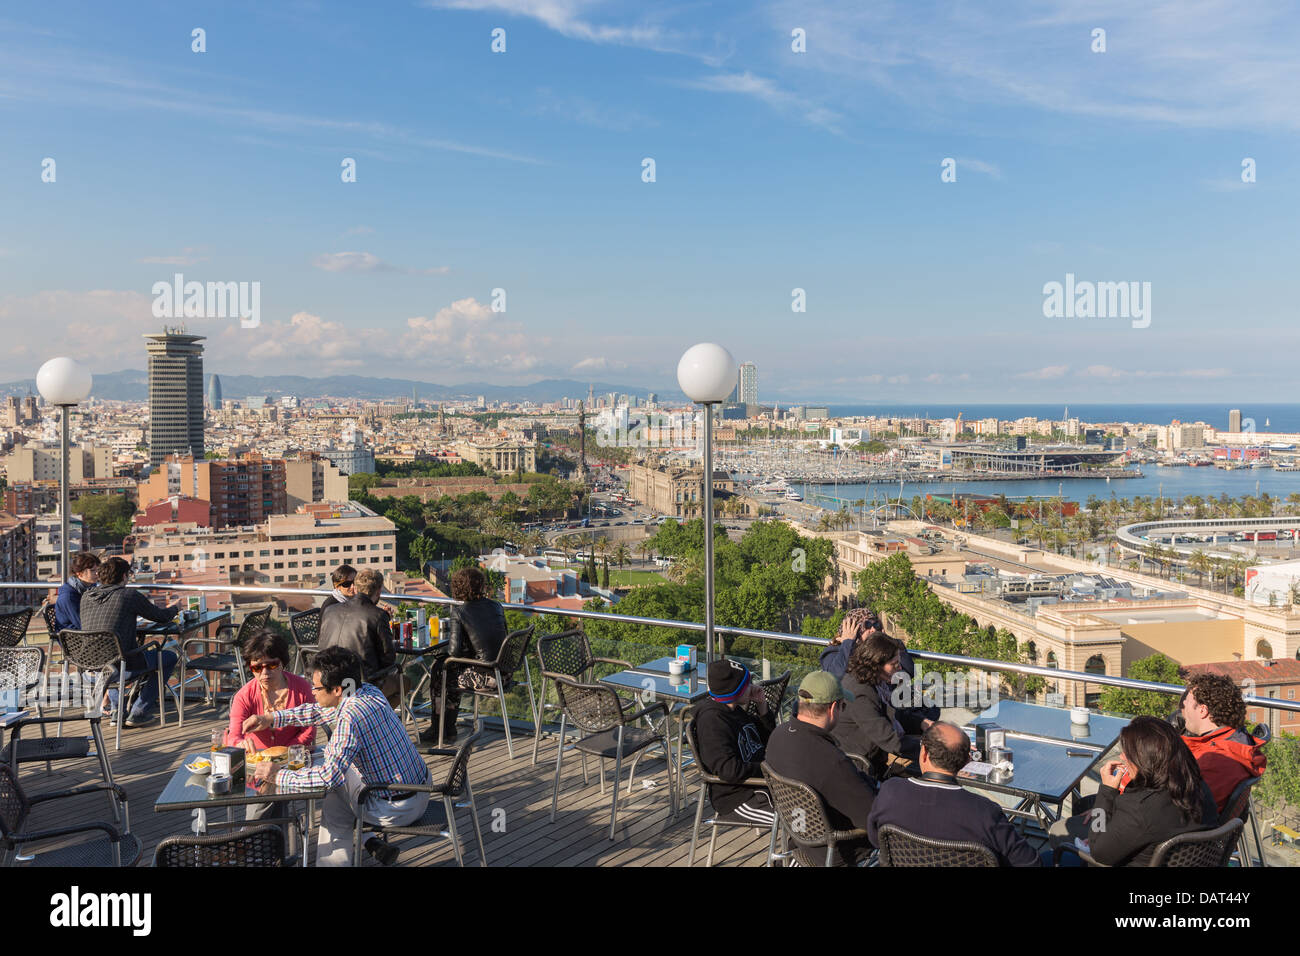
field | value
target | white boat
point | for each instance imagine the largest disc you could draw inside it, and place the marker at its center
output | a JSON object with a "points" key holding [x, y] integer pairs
{"points": [[776, 486], [793, 496]]}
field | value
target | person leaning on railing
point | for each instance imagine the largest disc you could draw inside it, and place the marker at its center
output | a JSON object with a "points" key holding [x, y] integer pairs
{"points": [[478, 632], [871, 725]]}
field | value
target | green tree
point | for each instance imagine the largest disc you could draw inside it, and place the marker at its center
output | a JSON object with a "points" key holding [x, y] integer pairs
{"points": [[1280, 786], [1137, 703], [108, 518]]}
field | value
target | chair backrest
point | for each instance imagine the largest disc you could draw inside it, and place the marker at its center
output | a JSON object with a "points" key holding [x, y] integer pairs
{"points": [[774, 693], [1199, 847], [592, 708], [898, 847], [91, 650], [567, 653], [458, 772], [513, 649], [693, 740], [1263, 733], [14, 805], [20, 667], [253, 622], [1238, 801], [305, 627], [13, 627], [262, 845], [802, 812]]}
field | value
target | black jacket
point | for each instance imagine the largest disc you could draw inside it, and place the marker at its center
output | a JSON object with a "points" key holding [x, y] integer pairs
{"points": [[732, 746], [867, 726], [804, 752], [1133, 822], [947, 811], [115, 609], [482, 629], [362, 627]]}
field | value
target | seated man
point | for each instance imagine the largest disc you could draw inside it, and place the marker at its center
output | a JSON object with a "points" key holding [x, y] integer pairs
{"points": [[369, 745], [936, 806], [733, 744], [804, 750], [871, 725], [1214, 716], [344, 579], [362, 626]]}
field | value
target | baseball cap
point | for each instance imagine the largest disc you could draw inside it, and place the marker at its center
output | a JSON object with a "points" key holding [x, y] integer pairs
{"points": [[819, 687]]}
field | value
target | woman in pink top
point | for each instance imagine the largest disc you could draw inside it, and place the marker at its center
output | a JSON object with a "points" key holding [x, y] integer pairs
{"points": [[272, 688]]}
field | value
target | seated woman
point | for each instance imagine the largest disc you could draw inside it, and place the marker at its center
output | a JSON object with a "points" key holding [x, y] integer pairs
{"points": [[1166, 797], [871, 725], [479, 633], [857, 624], [272, 688]]}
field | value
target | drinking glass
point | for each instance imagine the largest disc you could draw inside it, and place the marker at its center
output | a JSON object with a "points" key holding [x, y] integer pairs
{"points": [[218, 740], [298, 757]]}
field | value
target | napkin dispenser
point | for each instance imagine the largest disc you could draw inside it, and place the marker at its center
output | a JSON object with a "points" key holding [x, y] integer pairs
{"points": [[230, 762], [686, 654], [988, 734]]}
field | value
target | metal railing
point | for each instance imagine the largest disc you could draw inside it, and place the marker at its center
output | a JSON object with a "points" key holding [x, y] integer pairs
{"points": [[1051, 673]]}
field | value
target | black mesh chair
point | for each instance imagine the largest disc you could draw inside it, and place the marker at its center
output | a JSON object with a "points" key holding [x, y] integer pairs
{"points": [[20, 670], [51, 621], [609, 731], [13, 626], [439, 820], [774, 691], [715, 821], [1239, 807], [898, 847], [513, 652], [802, 815], [97, 653], [114, 848], [260, 846], [1199, 847], [304, 628], [219, 662], [567, 653]]}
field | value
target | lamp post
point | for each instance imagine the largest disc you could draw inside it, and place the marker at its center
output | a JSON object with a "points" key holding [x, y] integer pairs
{"points": [[63, 382], [707, 374]]}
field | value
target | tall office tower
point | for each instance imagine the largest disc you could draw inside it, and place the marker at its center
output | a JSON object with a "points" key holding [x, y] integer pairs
{"points": [[214, 393], [175, 394], [748, 383], [1234, 421]]}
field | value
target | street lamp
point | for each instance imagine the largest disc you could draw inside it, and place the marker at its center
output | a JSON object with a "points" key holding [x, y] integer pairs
{"points": [[707, 374], [65, 383]]}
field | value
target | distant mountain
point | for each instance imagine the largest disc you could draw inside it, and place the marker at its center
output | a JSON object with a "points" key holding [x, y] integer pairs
{"points": [[133, 386]]}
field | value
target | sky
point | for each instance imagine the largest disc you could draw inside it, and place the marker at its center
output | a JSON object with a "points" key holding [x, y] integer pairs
{"points": [[500, 226]]}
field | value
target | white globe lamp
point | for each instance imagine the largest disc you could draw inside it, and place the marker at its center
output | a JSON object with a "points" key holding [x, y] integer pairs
{"points": [[64, 382]]}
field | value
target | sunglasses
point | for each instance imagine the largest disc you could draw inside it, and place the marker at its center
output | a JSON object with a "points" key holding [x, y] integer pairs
{"points": [[265, 665]]}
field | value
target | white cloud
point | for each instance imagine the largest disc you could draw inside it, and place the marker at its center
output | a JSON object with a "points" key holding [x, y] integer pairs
{"points": [[1044, 374], [767, 92], [367, 262], [979, 166], [598, 364]]}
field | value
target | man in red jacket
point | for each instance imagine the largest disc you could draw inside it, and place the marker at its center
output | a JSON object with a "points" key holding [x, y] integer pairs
{"points": [[1214, 714]]}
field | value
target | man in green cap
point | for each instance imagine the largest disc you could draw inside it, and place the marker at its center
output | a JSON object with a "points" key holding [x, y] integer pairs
{"points": [[804, 750]]}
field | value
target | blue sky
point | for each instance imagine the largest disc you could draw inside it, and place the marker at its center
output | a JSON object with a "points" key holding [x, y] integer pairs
{"points": [[774, 170]]}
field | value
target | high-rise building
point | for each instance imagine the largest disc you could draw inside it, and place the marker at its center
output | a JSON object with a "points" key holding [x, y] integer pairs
{"points": [[214, 393], [175, 395], [748, 383], [1234, 421]]}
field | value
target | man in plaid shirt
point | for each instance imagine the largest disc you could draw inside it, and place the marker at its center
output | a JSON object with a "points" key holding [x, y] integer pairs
{"points": [[369, 746]]}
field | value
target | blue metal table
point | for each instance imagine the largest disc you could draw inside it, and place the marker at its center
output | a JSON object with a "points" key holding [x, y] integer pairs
{"points": [[683, 690]]}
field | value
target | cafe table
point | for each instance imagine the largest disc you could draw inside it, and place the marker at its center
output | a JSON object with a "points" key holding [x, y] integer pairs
{"points": [[652, 682], [189, 791], [172, 634], [421, 656], [1050, 756]]}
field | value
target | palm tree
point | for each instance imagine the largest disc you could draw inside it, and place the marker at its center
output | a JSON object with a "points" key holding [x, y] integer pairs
{"points": [[621, 554], [1200, 563]]}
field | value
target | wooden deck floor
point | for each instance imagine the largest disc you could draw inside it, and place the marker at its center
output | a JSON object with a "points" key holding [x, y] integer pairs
{"points": [[513, 796]]}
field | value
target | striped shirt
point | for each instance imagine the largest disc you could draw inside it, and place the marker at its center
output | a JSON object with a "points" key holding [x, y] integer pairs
{"points": [[367, 735]]}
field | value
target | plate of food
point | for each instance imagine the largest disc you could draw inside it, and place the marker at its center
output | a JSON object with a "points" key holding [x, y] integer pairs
{"points": [[269, 755], [200, 766]]}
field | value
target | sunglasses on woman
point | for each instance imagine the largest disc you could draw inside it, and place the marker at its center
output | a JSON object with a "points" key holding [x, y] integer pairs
{"points": [[264, 665]]}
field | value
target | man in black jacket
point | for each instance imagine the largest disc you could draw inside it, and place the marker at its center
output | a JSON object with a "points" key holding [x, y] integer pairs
{"points": [[936, 806], [344, 580], [804, 750], [733, 744], [362, 626]]}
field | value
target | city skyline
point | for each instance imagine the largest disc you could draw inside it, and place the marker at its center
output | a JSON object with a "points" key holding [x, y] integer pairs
{"points": [[776, 171]]}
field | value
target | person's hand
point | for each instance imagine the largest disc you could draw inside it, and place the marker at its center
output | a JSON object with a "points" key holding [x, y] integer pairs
{"points": [[926, 723], [264, 774], [257, 722], [249, 746], [1112, 773], [758, 697]]}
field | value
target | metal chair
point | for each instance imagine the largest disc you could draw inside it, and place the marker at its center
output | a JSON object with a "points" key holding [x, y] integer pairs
{"points": [[96, 652], [1239, 807], [439, 820], [1199, 847], [115, 848], [567, 653], [802, 815], [715, 821], [304, 628], [13, 626], [598, 712], [20, 670], [513, 652], [774, 691], [261, 846], [898, 847], [219, 662]]}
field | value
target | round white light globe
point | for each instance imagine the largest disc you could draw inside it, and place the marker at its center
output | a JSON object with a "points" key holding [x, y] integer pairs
{"points": [[63, 381], [707, 373]]}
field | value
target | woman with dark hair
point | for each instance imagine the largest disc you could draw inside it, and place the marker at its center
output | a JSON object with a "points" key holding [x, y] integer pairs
{"points": [[272, 688], [1165, 796], [874, 723], [478, 629]]}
